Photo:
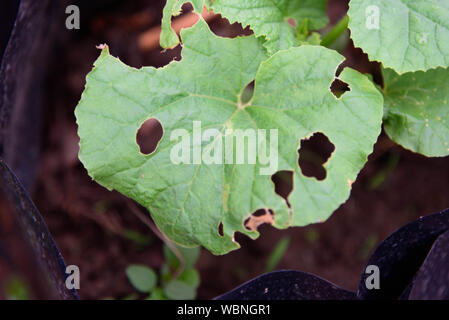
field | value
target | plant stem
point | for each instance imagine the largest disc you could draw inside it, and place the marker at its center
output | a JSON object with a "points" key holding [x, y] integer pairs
{"points": [[147, 221], [336, 31]]}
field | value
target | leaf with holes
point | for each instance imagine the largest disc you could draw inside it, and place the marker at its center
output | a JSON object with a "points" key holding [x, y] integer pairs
{"points": [[190, 185], [266, 18], [269, 18], [404, 35], [417, 110], [169, 38]]}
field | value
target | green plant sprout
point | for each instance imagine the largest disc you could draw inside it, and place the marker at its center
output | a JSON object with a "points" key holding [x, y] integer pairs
{"points": [[176, 281], [276, 255]]}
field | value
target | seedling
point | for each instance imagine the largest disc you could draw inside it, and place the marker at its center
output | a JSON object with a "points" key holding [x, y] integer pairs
{"points": [[177, 280]]}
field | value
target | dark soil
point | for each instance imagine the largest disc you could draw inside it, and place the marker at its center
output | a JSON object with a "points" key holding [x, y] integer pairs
{"points": [[90, 224]]}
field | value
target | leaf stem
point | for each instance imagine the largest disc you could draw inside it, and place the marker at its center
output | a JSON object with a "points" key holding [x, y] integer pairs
{"points": [[336, 31], [147, 221]]}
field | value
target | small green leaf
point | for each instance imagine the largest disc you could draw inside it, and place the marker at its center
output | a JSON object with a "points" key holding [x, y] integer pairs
{"points": [[277, 253], [302, 31], [403, 35], [190, 277], [417, 110], [157, 294], [313, 39], [178, 290], [141, 277]]}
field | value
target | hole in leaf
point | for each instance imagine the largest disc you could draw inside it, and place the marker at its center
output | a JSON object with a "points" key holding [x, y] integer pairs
{"points": [[283, 183], [259, 217], [313, 154], [247, 93], [220, 229], [186, 7], [221, 27], [338, 87], [259, 213], [149, 135], [243, 239]]}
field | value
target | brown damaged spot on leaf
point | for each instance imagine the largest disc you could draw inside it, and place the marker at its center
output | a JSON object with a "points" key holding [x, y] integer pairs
{"points": [[101, 46], [259, 217]]}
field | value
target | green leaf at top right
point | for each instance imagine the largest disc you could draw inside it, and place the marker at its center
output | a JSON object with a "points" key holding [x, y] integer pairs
{"points": [[404, 35], [417, 111]]}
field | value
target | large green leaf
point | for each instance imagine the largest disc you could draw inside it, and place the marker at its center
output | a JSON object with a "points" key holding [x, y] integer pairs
{"points": [[417, 110], [405, 35], [268, 18], [189, 201]]}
